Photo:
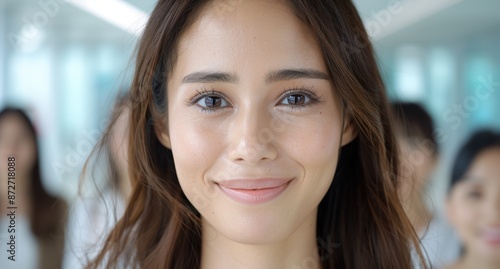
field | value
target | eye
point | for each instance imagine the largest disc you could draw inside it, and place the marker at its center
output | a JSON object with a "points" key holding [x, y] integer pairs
{"points": [[212, 101], [295, 99], [474, 194], [209, 100], [299, 97]]}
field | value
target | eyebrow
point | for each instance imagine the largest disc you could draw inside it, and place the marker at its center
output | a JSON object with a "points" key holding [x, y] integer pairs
{"points": [[289, 74], [274, 76], [205, 77]]}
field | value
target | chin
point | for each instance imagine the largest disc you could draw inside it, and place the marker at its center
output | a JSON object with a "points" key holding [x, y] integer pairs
{"points": [[255, 231]]}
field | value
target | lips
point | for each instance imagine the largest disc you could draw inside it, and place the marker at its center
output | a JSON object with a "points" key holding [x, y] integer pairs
{"points": [[254, 191]]}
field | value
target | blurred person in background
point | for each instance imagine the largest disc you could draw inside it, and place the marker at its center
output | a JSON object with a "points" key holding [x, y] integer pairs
{"points": [[118, 148], [473, 204], [93, 216], [40, 218], [414, 129]]}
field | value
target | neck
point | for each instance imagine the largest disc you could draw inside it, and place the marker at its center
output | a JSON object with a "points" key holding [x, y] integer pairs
{"points": [[299, 250]]}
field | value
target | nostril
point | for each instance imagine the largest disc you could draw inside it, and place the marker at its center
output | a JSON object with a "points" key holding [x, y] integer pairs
{"points": [[251, 152]]}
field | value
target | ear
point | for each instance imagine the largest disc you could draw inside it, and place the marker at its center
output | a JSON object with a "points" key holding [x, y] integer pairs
{"points": [[349, 131], [164, 140], [163, 137]]}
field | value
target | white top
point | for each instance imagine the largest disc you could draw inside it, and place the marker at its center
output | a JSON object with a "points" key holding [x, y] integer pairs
{"points": [[90, 221], [439, 243]]}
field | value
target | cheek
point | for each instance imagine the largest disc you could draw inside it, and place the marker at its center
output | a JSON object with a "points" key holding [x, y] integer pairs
{"points": [[26, 156], [318, 148], [465, 218], [314, 146], [466, 215], [195, 149], [4, 155], [325, 132]]}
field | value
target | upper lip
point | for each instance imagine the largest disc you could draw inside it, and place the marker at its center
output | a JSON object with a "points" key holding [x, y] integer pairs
{"points": [[253, 184]]}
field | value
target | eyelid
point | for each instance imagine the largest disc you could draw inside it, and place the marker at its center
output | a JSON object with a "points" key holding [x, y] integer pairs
{"points": [[310, 92], [203, 92]]}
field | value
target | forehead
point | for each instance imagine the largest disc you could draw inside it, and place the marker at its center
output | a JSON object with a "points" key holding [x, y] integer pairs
{"points": [[254, 35], [485, 168], [12, 123]]}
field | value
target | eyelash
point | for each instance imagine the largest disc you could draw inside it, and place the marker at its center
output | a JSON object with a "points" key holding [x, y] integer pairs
{"points": [[307, 92], [202, 93]]}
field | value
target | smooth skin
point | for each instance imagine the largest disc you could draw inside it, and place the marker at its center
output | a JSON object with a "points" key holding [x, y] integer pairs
{"points": [[473, 208], [249, 97]]}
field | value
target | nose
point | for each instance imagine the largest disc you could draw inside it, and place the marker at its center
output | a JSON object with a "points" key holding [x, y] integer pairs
{"points": [[250, 138]]}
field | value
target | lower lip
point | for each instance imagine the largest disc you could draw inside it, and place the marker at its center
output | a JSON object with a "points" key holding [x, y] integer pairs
{"points": [[254, 197]]}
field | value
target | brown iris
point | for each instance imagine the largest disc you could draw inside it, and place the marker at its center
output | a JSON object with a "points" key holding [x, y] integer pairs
{"points": [[296, 99], [213, 101]]}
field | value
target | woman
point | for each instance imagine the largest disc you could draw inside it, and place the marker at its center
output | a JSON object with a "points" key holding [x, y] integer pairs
{"points": [[473, 206], [40, 217], [419, 153], [259, 140]]}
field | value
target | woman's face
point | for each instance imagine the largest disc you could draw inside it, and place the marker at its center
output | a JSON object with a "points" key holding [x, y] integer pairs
{"points": [[253, 122], [16, 140], [473, 206]]}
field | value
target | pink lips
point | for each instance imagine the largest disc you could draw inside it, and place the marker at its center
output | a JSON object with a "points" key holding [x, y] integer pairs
{"points": [[254, 191]]}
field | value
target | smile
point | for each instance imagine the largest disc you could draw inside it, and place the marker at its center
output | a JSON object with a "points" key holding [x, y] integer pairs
{"points": [[254, 191]]}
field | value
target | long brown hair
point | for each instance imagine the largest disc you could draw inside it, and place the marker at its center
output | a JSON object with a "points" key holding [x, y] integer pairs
{"points": [[360, 215]]}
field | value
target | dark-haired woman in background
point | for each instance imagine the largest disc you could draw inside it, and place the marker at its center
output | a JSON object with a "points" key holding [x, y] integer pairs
{"points": [[419, 156], [473, 205], [40, 217]]}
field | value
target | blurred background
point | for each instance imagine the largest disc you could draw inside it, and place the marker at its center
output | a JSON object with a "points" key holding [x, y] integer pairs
{"points": [[65, 61]]}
